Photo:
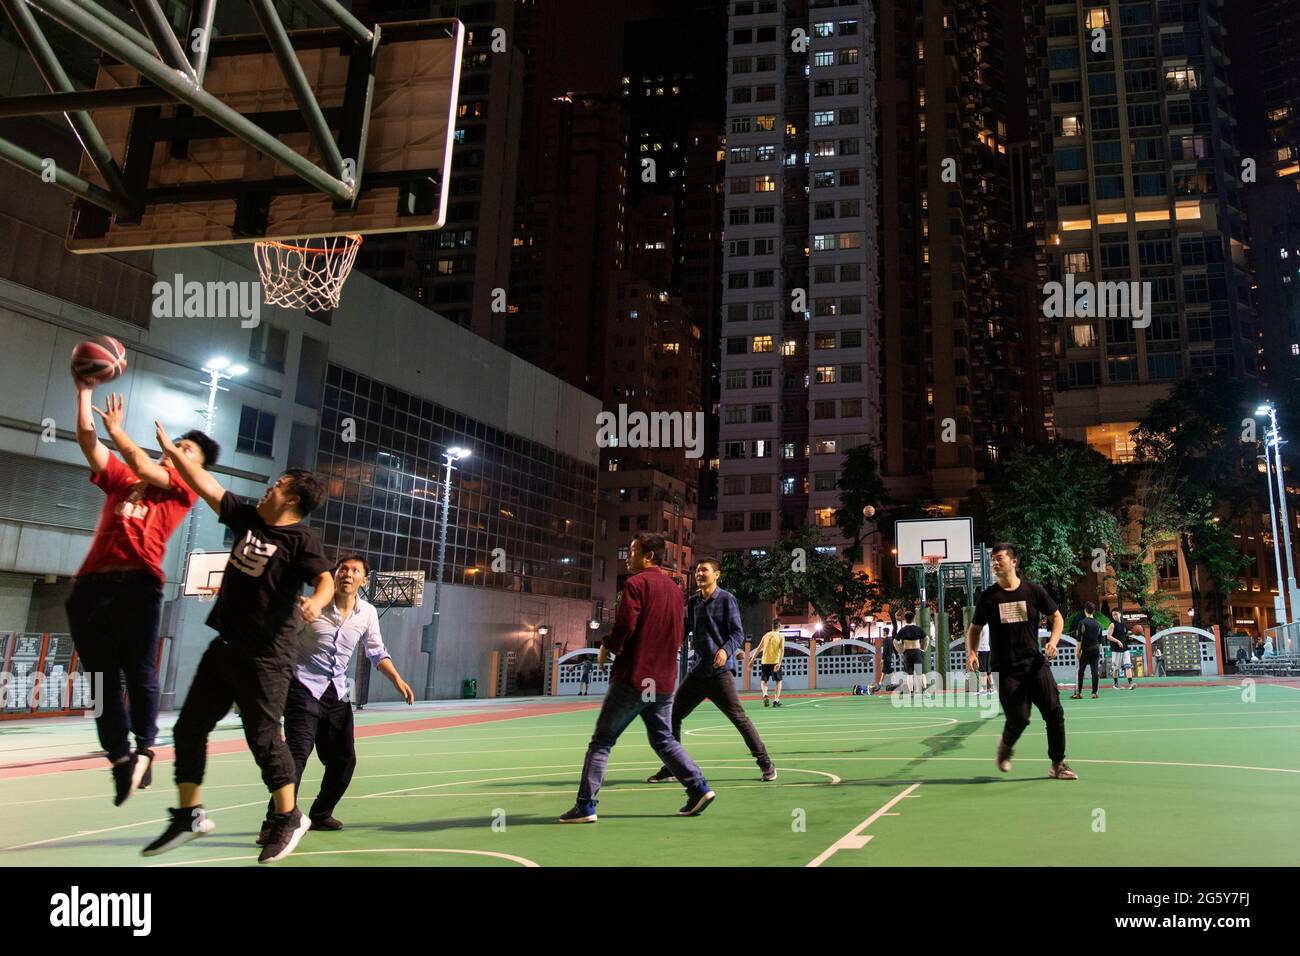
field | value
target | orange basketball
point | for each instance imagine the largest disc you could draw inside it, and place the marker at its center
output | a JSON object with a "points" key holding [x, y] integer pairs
{"points": [[99, 360]]}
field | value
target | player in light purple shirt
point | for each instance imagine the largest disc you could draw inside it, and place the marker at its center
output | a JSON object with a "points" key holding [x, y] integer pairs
{"points": [[318, 712]]}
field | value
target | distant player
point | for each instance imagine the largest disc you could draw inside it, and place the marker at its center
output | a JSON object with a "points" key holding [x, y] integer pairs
{"points": [[986, 665], [911, 642], [317, 712], [1011, 608], [256, 616], [1120, 657], [1088, 633], [888, 662], [116, 602], [771, 651]]}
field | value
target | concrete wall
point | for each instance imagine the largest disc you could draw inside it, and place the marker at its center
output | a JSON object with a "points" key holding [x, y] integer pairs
{"points": [[15, 600]]}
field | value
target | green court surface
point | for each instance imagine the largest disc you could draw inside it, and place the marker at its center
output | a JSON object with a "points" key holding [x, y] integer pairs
{"points": [[1169, 776]]}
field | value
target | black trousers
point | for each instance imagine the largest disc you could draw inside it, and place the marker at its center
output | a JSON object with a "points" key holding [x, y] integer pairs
{"points": [[1091, 659], [114, 619], [228, 675], [1037, 687], [325, 725], [721, 689]]}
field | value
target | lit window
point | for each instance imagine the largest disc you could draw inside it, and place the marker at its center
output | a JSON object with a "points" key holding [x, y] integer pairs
{"points": [[789, 347], [826, 375], [1098, 18], [762, 343]]}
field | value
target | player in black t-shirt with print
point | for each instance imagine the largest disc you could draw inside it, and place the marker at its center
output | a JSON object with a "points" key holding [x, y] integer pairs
{"points": [[250, 662], [1088, 633], [1012, 609]]}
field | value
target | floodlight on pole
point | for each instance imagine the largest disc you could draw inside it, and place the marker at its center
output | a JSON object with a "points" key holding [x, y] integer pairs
{"points": [[1275, 441], [453, 454]]}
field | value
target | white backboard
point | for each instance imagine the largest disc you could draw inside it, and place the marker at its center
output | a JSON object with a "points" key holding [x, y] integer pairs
{"points": [[203, 569], [953, 539]]}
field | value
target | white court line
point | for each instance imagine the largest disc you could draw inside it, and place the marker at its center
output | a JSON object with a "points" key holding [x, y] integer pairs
{"points": [[1079, 760], [853, 840], [567, 766], [859, 735], [603, 790], [125, 826], [522, 861]]}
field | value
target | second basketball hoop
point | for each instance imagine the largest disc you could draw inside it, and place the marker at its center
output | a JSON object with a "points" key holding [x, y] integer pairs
{"points": [[308, 274]]}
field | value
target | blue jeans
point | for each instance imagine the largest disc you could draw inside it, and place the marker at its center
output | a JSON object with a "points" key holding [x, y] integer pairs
{"points": [[114, 620], [622, 705]]}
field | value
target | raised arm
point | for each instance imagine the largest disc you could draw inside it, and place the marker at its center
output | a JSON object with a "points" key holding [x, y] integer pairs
{"points": [[204, 485], [313, 607], [87, 436], [114, 415]]}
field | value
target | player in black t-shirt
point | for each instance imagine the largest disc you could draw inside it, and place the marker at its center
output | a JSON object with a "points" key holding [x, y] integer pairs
{"points": [[1088, 633], [1012, 608], [250, 662]]}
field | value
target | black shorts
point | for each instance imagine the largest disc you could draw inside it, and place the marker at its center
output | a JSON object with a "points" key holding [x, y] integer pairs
{"points": [[913, 661], [985, 666], [767, 670]]}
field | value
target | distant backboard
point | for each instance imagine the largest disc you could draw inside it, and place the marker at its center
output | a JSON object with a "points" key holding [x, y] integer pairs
{"points": [[397, 588], [203, 571], [951, 539], [193, 182]]}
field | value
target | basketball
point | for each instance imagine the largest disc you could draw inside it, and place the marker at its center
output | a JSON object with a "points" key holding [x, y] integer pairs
{"points": [[99, 360]]}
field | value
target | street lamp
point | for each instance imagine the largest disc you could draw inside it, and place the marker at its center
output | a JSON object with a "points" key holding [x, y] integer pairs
{"points": [[1274, 440], [452, 454]]}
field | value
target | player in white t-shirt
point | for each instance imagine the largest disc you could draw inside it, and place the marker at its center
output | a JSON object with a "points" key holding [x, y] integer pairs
{"points": [[985, 667]]}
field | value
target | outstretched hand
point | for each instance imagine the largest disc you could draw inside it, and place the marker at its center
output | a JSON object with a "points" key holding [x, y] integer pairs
{"points": [[164, 442], [113, 413]]}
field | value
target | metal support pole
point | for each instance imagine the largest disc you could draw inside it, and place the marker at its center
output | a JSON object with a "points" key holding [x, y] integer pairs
{"points": [[202, 13], [159, 29], [112, 21], [1293, 597], [51, 70], [344, 18], [1279, 602], [941, 636], [46, 104], [437, 581], [70, 14], [299, 86], [69, 182]]}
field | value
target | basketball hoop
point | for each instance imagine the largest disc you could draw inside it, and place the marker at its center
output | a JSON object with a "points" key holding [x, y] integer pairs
{"points": [[932, 561], [207, 595], [308, 276]]}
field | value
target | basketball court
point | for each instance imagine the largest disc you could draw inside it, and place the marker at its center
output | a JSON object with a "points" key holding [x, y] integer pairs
{"points": [[1175, 773]]}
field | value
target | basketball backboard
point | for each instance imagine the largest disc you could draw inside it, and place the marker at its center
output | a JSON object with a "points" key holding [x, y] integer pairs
{"points": [[203, 571], [249, 158], [396, 588], [952, 540]]}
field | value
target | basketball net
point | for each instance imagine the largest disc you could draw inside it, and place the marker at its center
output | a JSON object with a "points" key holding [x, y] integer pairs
{"points": [[932, 561], [308, 276], [208, 595]]}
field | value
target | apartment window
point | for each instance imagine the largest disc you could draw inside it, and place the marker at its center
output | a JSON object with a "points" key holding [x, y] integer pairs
{"points": [[848, 56], [762, 448], [735, 414], [1122, 369], [733, 449], [788, 450], [850, 177], [742, 64], [766, 123], [848, 87], [1071, 160], [733, 485], [824, 118], [764, 247], [739, 184], [764, 154], [1069, 126], [760, 521], [737, 346], [823, 180], [764, 64], [824, 446], [737, 154], [788, 484], [764, 214], [849, 208], [851, 373], [741, 124], [1107, 153], [824, 58], [825, 375], [762, 377], [738, 217], [824, 340], [824, 29], [1078, 263], [256, 431], [824, 210], [1061, 26], [762, 343], [850, 240], [1149, 184], [764, 184], [736, 377], [848, 28], [733, 521], [823, 409], [1084, 374], [851, 339], [761, 413], [849, 117], [1165, 367], [850, 272], [1067, 91], [851, 408], [765, 93], [1083, 336], [790, 347], [741, 94], [1065, 58], [738, 247], [827, 242], [737, 280]]}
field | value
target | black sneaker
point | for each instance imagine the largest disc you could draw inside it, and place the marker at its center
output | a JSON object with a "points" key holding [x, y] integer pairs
{"points": [[697, 803], [769, 774], [124, 779], [326, 823], [264, 834], [187, 823], [581, 813], [662, 775], [286, 830], [776, 703]]}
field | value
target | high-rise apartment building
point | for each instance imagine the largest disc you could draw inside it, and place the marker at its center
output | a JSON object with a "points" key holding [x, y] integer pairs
{"points": [[800, 361], [1133, 132]]}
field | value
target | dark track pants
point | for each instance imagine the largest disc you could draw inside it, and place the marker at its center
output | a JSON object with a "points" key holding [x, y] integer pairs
{"points": [[325, 725], [1089, 659], [1017, 691], [721, 689]]}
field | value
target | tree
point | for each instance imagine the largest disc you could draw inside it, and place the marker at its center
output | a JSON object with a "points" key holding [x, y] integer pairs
{"points": [[860, 486], [1054, 503]]}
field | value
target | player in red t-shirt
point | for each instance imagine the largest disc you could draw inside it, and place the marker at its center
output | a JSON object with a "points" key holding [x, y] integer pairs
{"points": [[116, 602]]}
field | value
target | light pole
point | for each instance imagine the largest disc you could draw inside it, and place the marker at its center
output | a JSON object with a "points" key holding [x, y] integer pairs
{"points": [[450, 455], [1274, 439], [1279, 602], [218, 370]]}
